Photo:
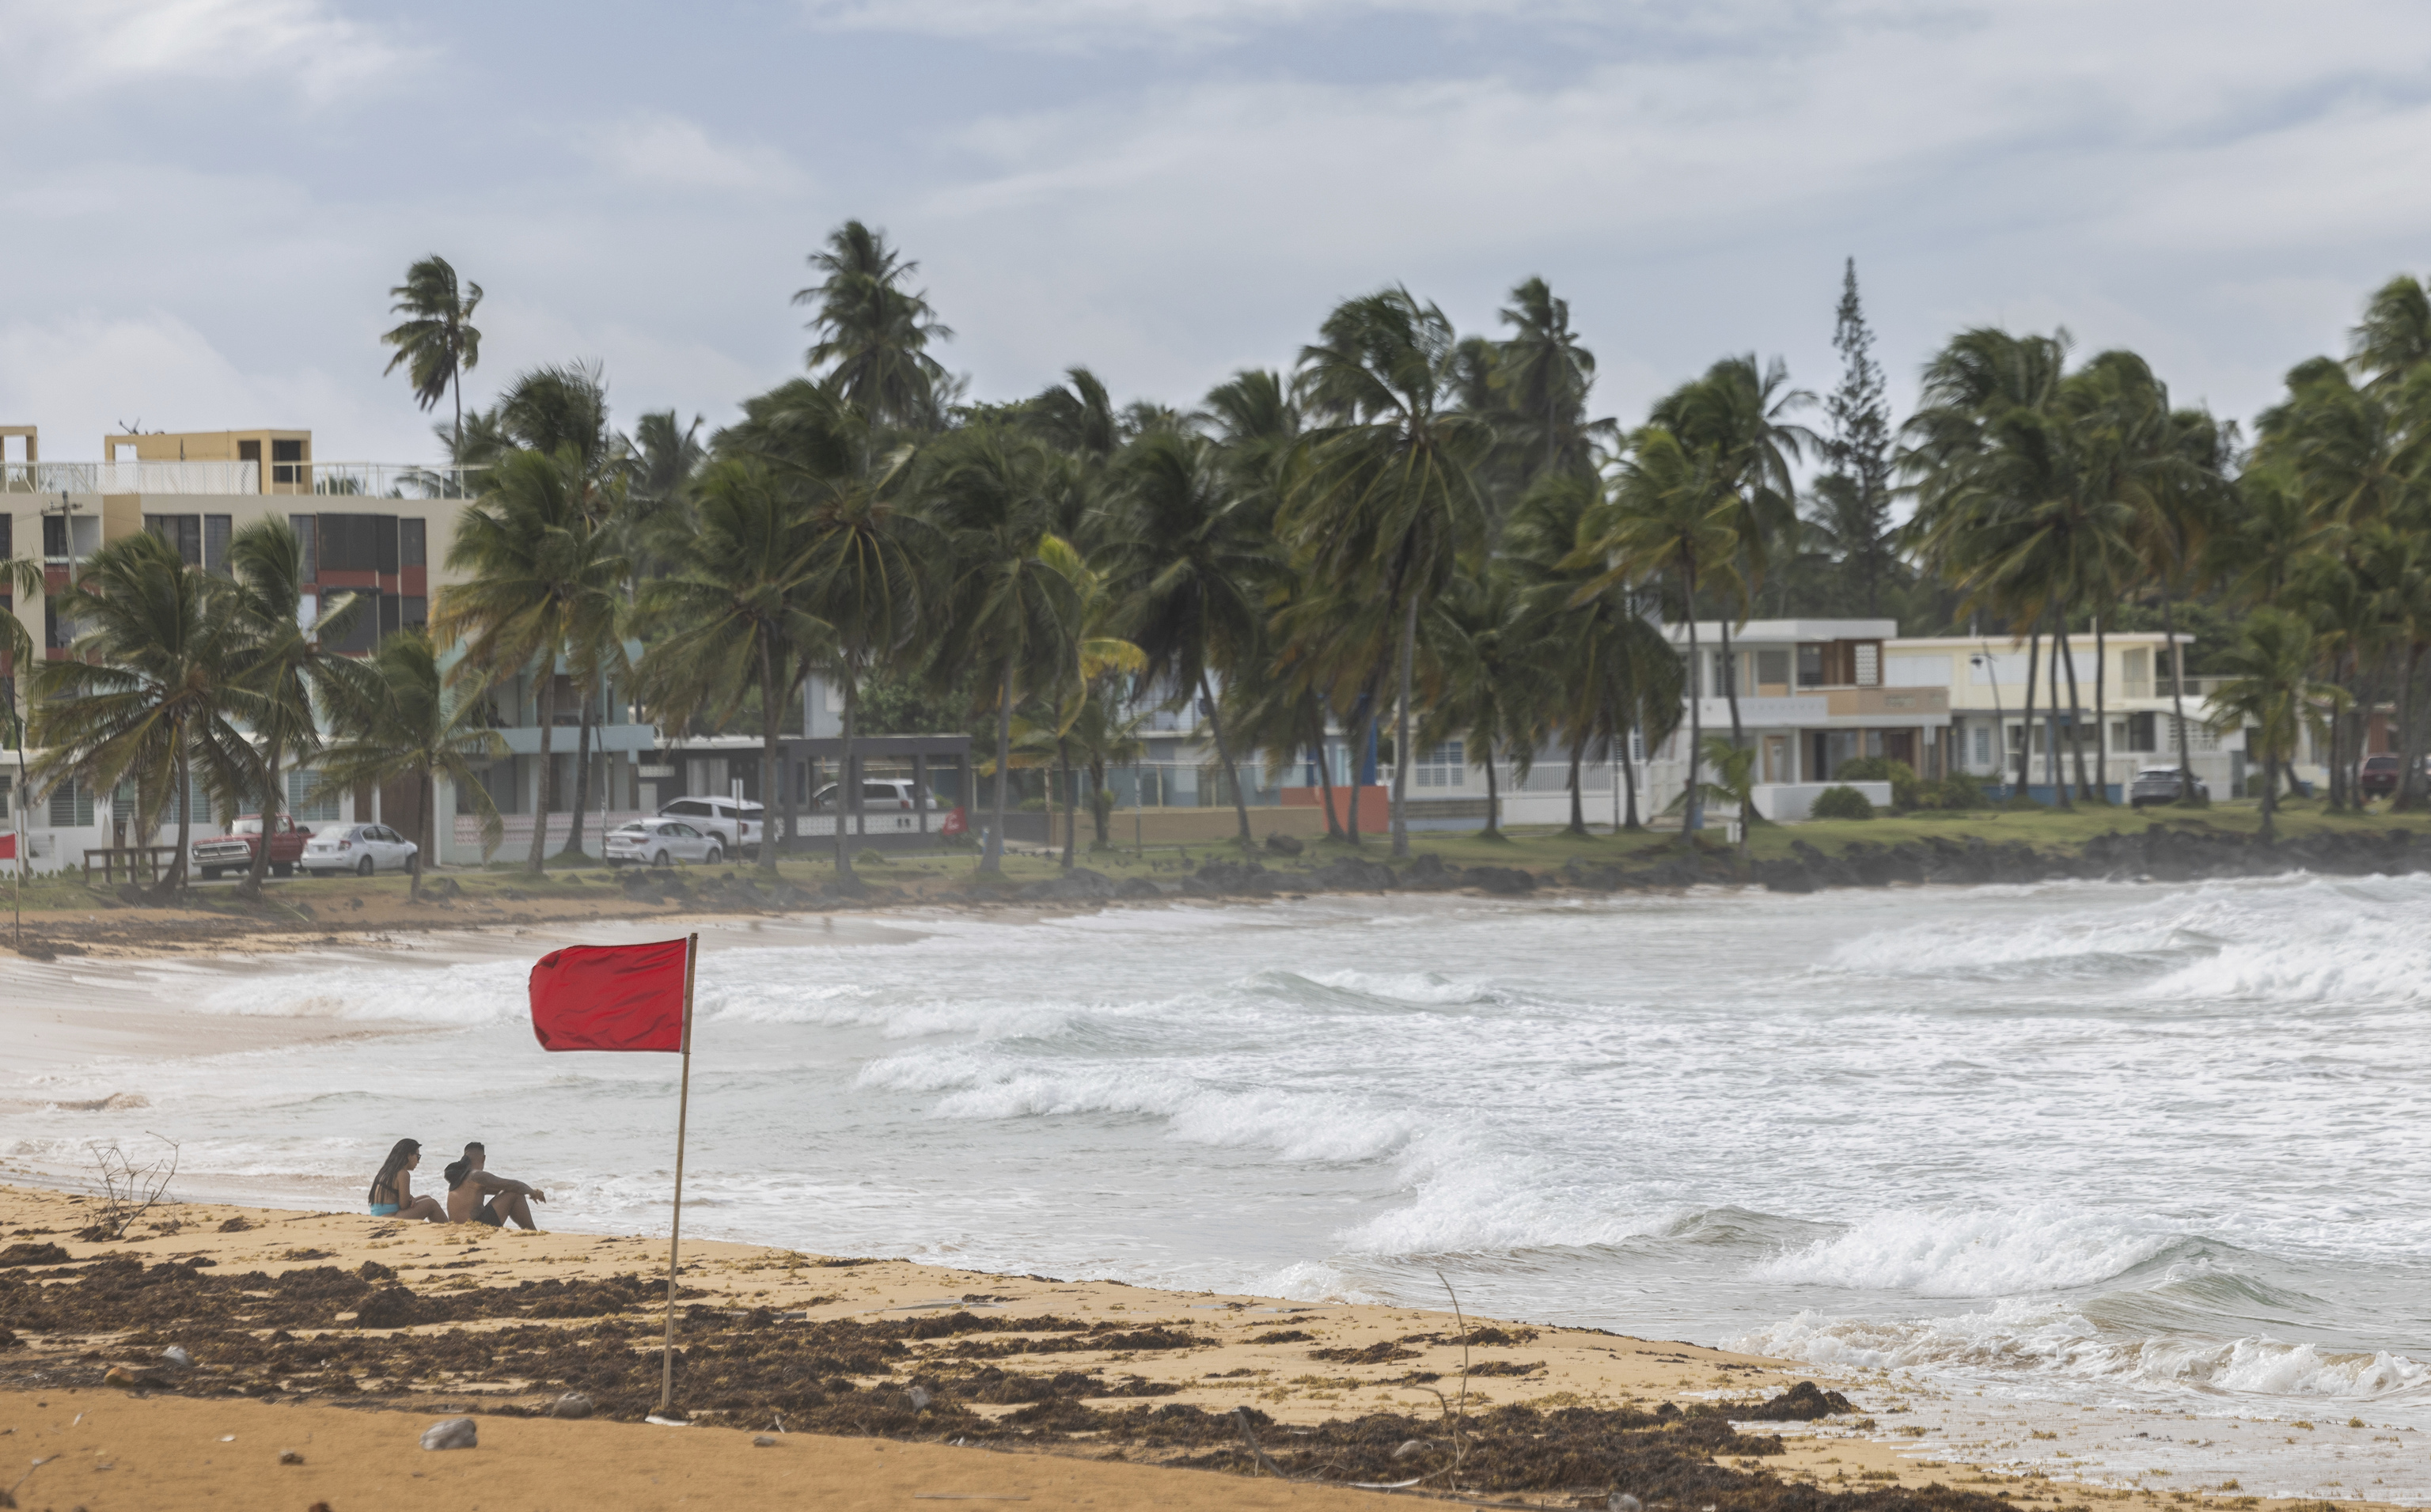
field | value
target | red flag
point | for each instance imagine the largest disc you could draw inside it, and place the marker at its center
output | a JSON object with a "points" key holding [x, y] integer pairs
{"points": [[8, 847], [610, 998]]}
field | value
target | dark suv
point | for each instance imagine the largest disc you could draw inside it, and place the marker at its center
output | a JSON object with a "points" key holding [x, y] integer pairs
{"points": [[2377, 776], [2159, 785]]}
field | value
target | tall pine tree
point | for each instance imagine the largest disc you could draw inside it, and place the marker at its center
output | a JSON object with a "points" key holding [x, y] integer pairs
{"points": [[1851, 505]]}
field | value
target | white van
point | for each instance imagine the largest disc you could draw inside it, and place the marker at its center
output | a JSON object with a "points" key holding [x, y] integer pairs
{"points": [[738, 824]]}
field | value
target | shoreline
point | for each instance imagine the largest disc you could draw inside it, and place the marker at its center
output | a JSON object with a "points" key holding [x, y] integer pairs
{"points": [[298, 1322], [377, 915]]}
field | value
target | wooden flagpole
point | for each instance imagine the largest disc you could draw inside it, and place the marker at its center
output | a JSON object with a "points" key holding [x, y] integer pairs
{"points": [[675, 1232]]}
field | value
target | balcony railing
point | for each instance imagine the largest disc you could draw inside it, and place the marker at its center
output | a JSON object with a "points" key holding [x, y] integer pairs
{"points": [[346, 479]]}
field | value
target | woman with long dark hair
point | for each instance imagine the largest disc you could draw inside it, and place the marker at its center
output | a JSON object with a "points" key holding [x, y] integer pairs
{"points": [[391, 1194]]}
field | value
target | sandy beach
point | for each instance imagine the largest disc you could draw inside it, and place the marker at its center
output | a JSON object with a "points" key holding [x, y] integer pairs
{"points": [[339, 1337]]}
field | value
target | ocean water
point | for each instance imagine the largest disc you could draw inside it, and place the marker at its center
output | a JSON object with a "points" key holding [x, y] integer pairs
{"points": [[2168, 1146]]}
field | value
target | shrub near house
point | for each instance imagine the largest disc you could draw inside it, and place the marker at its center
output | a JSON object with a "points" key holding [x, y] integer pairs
{"points": [[1842, 802]]}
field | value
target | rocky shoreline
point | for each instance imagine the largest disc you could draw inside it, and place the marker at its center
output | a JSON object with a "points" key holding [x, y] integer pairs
{"points": [[2157, 853]]}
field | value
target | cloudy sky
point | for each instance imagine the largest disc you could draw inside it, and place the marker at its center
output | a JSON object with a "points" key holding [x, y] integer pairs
{"points": [[207, 200]]}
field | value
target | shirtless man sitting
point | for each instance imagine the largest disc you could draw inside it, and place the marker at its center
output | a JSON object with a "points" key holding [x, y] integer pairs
{"points": [[468, 1185]]}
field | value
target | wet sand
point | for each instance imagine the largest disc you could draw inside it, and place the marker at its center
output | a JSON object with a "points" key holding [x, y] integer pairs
{"points": [[1056, 1390]]}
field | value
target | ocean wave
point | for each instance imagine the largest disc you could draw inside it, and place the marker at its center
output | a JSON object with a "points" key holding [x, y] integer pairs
{"points": [[1976, 1253], [461, 994], [2046, 1337]]}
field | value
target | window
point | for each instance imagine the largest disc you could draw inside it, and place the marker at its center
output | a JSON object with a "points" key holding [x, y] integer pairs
{"points": [[215, 542], [305, 808], [1982, 745], [307, 540], [2139, 732], [413, 612], [8, 536], [1446, 765], [688, 806], [8, 794], [55, 536], [183, 532], [1772, 669], [2200, 736], [1869, 665], [284, 455], [411, 536], [1810, 666], [71, 805]]}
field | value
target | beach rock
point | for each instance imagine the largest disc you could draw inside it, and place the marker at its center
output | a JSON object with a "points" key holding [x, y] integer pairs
{"points": [[1429, 874], [764, 1440], [1408, 1447], [177, 1357], [1352, 874], [1285, 845], [572, 1404], [1604, 879], [1623, 1501], [129, 1378], [1139, 887], [456, 1432], [1804, 1402], [1217, 878], [920, 1399], [389, 1308], [1079, 885], [1503, 881], [289, 1456]]}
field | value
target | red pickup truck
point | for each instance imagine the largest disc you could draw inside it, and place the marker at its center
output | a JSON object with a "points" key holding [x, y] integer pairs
{"points": [[233, 852]]}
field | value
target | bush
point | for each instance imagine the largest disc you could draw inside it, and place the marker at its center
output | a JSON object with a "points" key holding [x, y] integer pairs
{"points": [[1958, 791], [1842, 802], [1905, 789], [870, 858]]}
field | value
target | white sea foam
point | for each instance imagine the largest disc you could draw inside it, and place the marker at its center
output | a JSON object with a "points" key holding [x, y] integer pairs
{"points": [[1974, 1252]]}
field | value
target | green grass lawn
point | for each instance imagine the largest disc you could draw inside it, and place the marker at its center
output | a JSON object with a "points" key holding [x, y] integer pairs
{"points": [[1535, 848]]}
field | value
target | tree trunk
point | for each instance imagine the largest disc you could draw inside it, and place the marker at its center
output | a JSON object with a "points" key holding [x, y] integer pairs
{"points": [[1325, 777], [2101, 715], [1730, 680], [1628, 782], [1363, 741], [582, 778], [175, 877], [992, 858], [845, 774], [792, 813], [428, 848], [1099, 811], [2075, 707], [2178, 698], [1578, 825], [2409, 742], [545, 782], [772, 721], [1692, 816], [2026, 729], [1224, 754], [1402, 752], [2270, 796], [1071, 810], [1493, 798], [270, 808]]}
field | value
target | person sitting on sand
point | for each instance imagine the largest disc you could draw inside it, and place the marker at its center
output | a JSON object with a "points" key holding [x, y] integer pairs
{"points": [[468, 1184], [391, 1194]]}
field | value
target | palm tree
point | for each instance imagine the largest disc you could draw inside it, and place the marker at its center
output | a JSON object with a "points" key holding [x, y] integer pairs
{"points": [[2271, 692], [873, 334], [1543, 374], [2395, 336], [1737, 414], [544, 581], [1391, 502], [1735, 781], [437, 342], [154, 693], [285, 662], [734, 616], [1096, 659], [397, 720], [1671, 515], [1192, 565], [1495, 678], [995, 496]]}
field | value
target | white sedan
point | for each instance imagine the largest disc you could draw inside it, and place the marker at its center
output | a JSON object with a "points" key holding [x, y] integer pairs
{"points": [[361, 848], [661, 843]]}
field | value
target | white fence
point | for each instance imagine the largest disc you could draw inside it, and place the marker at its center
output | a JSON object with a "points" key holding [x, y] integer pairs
{"points": [[131, 478]]}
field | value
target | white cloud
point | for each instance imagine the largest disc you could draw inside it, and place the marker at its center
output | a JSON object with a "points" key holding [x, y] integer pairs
{"points": [[668, 150], [60, 49], [1097, 25]]}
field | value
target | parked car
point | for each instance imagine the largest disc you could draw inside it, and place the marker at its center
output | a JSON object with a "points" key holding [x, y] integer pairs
{"points": [[2159, 785], [877, 793], [737, 824], [2377, 777], [361, 848], [233, 852], [661, 843]]}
